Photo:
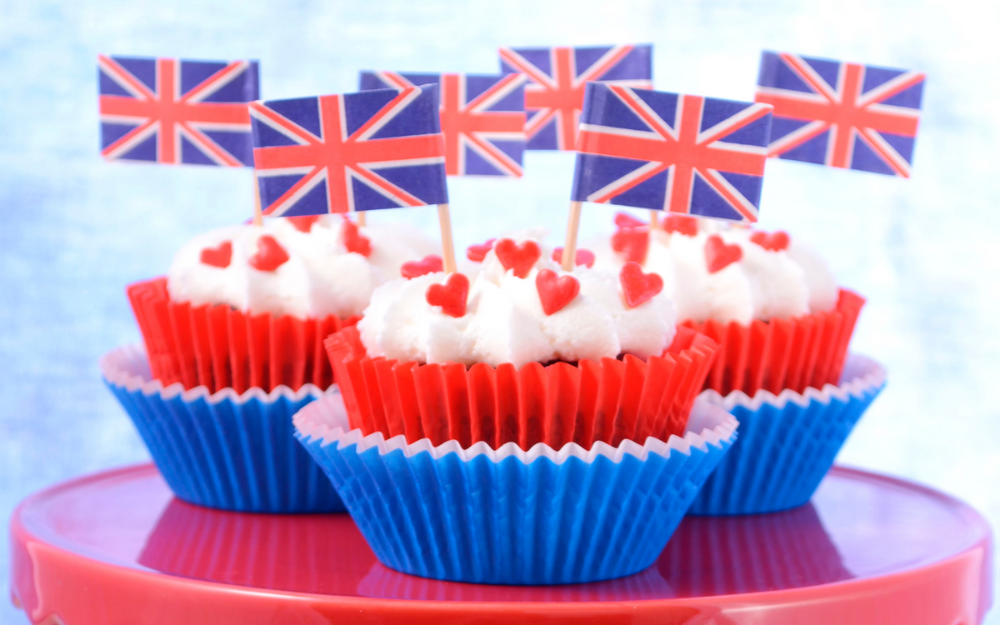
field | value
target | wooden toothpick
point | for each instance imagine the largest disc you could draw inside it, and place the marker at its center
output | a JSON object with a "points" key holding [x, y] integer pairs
{"points": [[569, 250], [258, 216], [447, 244]]}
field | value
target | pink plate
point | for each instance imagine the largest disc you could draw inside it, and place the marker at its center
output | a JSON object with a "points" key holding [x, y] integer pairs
{"points": [[117, 547]]}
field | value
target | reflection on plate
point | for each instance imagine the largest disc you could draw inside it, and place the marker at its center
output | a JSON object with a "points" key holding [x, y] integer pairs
{"points": [[754, 553], [314, 553], [326, 554]]}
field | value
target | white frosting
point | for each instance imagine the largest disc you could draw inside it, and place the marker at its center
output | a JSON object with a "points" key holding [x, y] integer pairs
{"points": [[505, 323], [320, 277], [762, 285], [820, 281], [725, 295], [394, 244]]}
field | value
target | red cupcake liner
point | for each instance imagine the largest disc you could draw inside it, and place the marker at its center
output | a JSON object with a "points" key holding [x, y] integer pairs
{"points": [[610, 400], [219, 347], [782, 353]]}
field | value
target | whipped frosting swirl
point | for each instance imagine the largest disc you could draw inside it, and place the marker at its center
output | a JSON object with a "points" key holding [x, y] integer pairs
{"points": [[504, 321], [763, 284], [320, 276]]}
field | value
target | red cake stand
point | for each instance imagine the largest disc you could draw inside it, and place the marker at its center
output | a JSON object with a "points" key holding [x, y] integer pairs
{"points": [[118, 548]]}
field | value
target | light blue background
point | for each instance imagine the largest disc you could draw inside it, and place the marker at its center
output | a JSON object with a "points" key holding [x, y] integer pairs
{"points": [[74, 230]]}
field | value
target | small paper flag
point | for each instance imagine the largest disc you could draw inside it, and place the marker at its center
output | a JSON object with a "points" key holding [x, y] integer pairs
{"points": [[482, 119], [677, 153], [352, 152], [176, 111], [841, 114], [556, 80]]}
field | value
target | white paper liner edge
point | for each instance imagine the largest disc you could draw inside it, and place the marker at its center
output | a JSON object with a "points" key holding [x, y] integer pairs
{"points": [[128, 367], [861, 375], [326, 420]]}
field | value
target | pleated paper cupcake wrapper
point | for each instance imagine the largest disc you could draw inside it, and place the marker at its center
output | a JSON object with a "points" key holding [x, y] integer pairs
{"points": [[219, 347], [706, 556], [586, 402], [780, 354], [510, 516], [224, 450], [787, 443]]}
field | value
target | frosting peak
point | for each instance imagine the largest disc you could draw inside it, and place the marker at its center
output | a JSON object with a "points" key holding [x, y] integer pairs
{"points": [[519, 309], [307, 268], [725, 273]]}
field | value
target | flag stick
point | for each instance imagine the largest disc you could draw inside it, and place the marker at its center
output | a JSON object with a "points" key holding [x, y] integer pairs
{"points": [[362, 221], [447, 244], [654, 219], [569, 250], [258, 217]]}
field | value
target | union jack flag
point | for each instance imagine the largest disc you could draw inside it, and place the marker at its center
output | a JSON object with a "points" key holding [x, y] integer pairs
{"points": [[352, 152], [482, 119], [841, 114], [678, 153], [556, 80], [176, 111]]}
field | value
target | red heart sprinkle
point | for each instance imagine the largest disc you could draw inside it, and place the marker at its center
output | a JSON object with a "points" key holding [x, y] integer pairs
{"points": [[354, 241], [476, 253], [521, 258], [624, 220], [632, 242], [555, 291], [775, 242], [269, 256], [304, 224], [450, 296], [428, 264], [637, 286], [681, 224], [583, 257], [718, 255], [218, 256]]}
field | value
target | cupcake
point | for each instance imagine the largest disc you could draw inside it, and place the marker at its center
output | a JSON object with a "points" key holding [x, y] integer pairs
{"points": [[509, 516], [788, 442], [249, 306], [234, 346], [226, 450], [521, 352], [771, 302], [783, 326]]}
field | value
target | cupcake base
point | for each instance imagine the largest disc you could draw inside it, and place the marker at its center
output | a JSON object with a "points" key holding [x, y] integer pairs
{"points": [[607, 401], [508, 516], [227, 451], [219, 347], [787, 443], [782, 354]]}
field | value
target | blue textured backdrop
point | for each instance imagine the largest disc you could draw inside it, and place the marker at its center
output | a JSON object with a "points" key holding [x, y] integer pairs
{"points": [[74, 230]]}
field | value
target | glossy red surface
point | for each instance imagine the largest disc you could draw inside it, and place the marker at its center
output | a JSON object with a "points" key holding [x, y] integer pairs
{"points": [[118, 548]]}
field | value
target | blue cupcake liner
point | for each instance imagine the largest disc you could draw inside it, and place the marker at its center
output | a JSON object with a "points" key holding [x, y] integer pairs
{"points": [[508, 516], [226, 451], [787, 442]]}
